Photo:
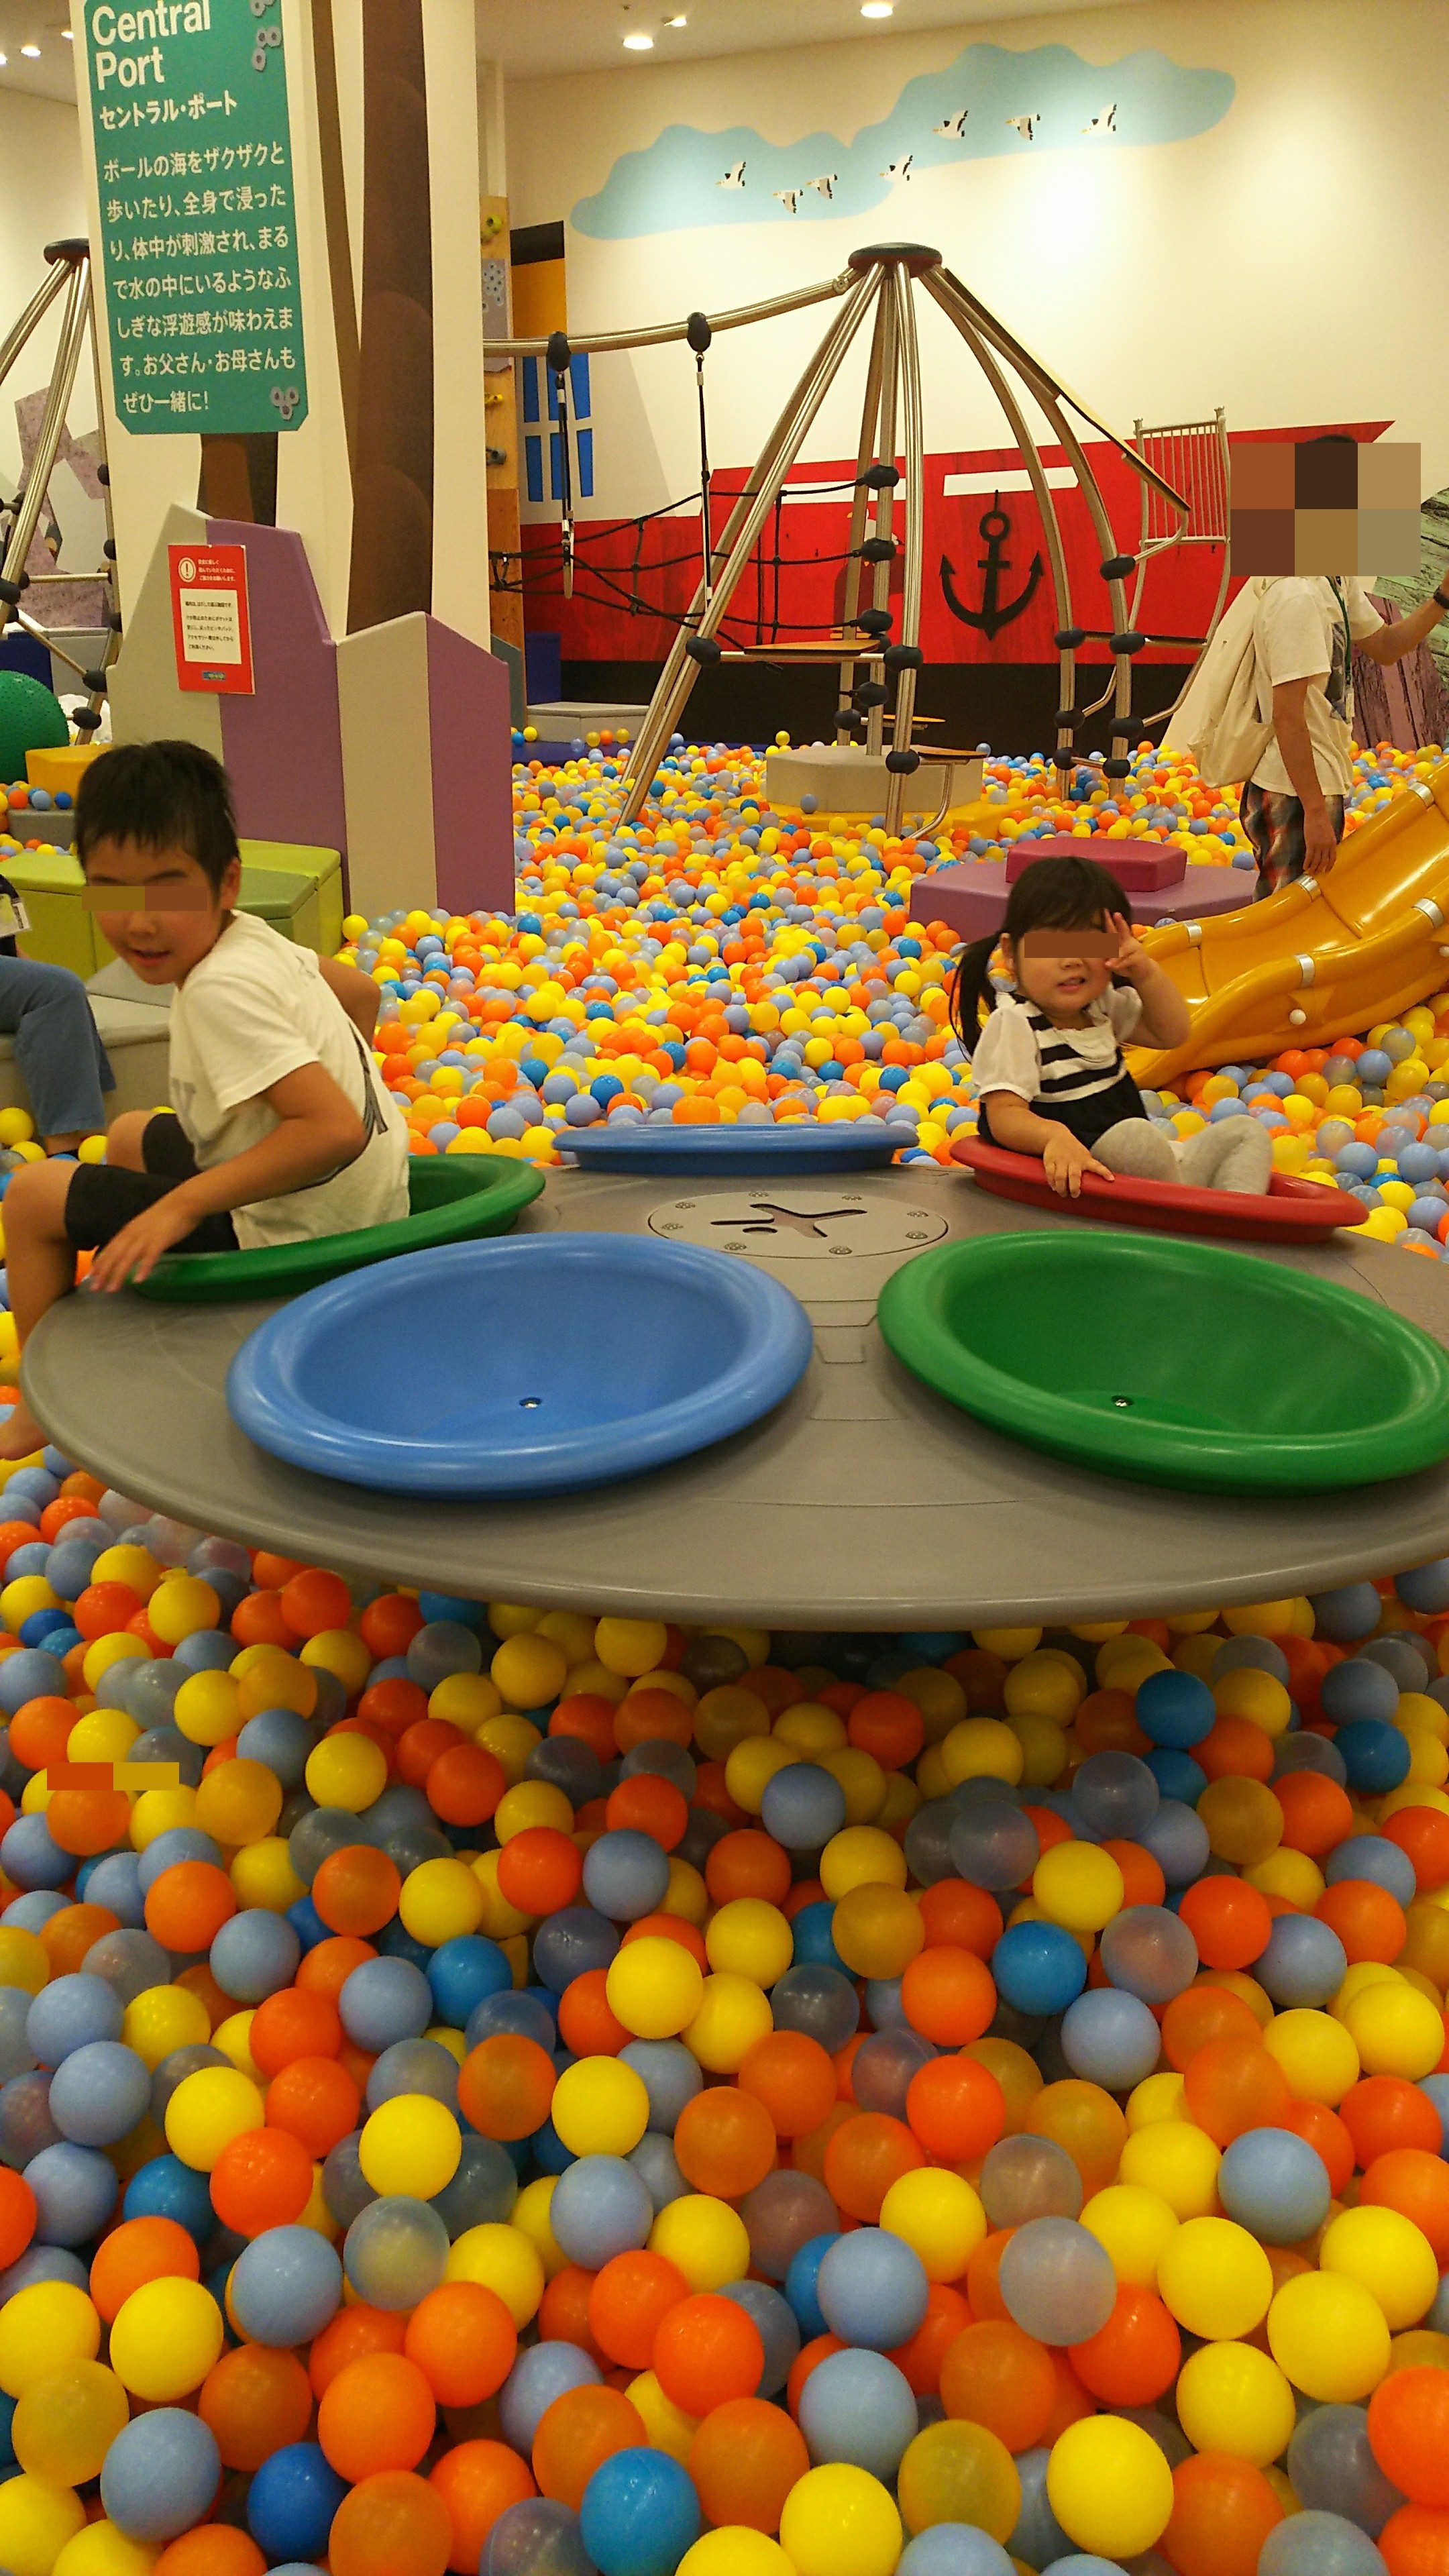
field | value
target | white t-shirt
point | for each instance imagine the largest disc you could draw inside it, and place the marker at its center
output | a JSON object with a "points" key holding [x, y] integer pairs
{"points": [[1017, 1036], [254, 1010], [1298, 631]]}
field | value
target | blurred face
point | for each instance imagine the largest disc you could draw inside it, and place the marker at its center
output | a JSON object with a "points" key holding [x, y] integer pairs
{"points": [[1062, 971], [157, 907]]}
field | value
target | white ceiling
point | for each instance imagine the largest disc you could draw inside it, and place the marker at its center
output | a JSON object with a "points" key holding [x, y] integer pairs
{"points": [[36, 22], [531, 38]]}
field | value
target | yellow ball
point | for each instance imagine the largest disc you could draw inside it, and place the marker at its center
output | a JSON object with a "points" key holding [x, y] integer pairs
{"points": [[811, 1731], [1231, 2397], [441, 1901], [104, 1735], [1316, 2053], [877, 1931], [165, 2338], [102, 1653], [465, 1699], [861, 1856], [733, 2013], [268, 1677], [1040, 1686], [531, 2214], [209, 2109], [869, 1793], [1388, 2256], [1215, 2278], [238, 1802], [1134, 2226], [1329, 2337], [505, 2261], [752, 1765], [346, 1771], [1260, 1619], [1109, 2485], [511, 1740], [341, 1652], [161, 2018], [938, 1696], [66, 2422], [654, 1986], [631, 1647], [411, 2143], [1044, 1751], [706, 2239], [667, 2425], [939, 2216], [1009, 1643], [734, 2550], [263, 1875], [600, 2107], [840, 2521], [958, 2471], [23, 1960], [1157, 2097], [36, 2521], [530, 1803], [1243, 1818], [101, 2550], [207, 1707], [157, 1810], [1260, 1697], [1177, 2161], [1396, 2031], [183, 1606], [44, 2329], [136, 1567], [1078, 1885], [528, 1671], [982, 1748]]}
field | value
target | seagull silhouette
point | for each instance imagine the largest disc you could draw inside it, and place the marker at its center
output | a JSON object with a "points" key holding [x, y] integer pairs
{"points": [[734, 176]]}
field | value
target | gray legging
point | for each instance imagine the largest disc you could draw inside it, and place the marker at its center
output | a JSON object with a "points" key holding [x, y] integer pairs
{"points": [[63, 1064], [1227, 1154]]}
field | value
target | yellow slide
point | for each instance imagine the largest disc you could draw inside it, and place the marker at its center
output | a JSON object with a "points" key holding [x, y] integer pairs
{"points": [[1322, 959]]}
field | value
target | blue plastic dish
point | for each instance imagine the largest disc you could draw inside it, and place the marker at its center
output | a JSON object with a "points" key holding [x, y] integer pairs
{"points": [[856, 1145], [531, 1365]]}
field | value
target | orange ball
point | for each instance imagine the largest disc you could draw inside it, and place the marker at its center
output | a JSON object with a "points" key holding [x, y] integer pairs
{"points": [[1415, 2541], [477, 2482], [212, 2549], [744, 2459], [1317, 1813], [955, 2108], [1408, 2428], [325, 1970], [707, 2351], [1087, 2122], [1202, 2014], [86, 1821], [350, 2336], [1385, 2112], [1142, 1880], [1415, 2183], [540, 1870], [967, 1917], [995, 2375], [393, 2524], [463, 2340], [505, 2086], [378, 2413], [920, 2360], [793, 2077], [293, 2024], [356, 1890], [1369, 1922], [948, 1995], [139, 2250], [317, 2101], [1327, 2135], [748, 1863], [68, 1935], [1233, 2085], [314, 1601], [587, 2022], [646, 1804], [649, 1717], [255, 2400], [1135, 2357], [888, 1725], [188, 1904], [465, 1783], [1229, 1921], [724, 2142], [1223, 2510], [261, 2179], [581, 2430], [627, 2303], [563, 2312], [1235, 1749], [1422, 1832], [868, 2152]]}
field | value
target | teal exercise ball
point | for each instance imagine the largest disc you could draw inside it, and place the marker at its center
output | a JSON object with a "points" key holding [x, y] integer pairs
{"points": [[31, 719]]}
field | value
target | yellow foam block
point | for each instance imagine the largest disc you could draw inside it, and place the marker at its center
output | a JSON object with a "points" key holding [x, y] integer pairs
{"points": [[60, 771]]}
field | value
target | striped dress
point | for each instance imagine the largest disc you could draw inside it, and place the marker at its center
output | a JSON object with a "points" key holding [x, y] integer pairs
{"points": [[1076, 1077]]}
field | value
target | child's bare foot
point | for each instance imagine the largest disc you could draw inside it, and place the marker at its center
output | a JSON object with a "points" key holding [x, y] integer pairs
{"points": [[20, 1433]]}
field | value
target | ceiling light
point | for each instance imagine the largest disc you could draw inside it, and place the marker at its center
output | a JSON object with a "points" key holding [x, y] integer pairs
{"points": [[638, 44], [680, 21], [31, 53], [878, 9], [67, 36]]}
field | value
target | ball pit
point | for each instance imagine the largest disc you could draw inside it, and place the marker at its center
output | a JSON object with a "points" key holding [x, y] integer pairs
{"points": [[1017, 2141]]}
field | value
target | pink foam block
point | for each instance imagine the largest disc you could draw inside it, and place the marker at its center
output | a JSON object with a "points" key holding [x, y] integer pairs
{"points": [[1140, 867]]}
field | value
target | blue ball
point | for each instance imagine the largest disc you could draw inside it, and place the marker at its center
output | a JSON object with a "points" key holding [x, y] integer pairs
{"points": [[640, 2513], [166, 2188], [802, 1807], [29, 1854], [461, 1972], [1357, 1689], [292, 2500], [802, 2284], [1274, 2184], [1176, 1709], [1110, 2038], [1436, 2088], [1319, 2544], [114, 1881], [1304, 1964], [75, 2190], [1373, 1856], [1038, 1968], [626, 1875], [281, 1739], [954, 2549], [600, 2207], [30, 1674], [872, 2288], [285, 2287], [540, 2374], [442, 1647], [386, 2000], [514, 2015], [160, 2474], [255, 1955], [1375, 1755], [569, 1943], [814, 1946], [671, 2076], [1177, 1775], [1425, 1587], [178, 1843], [858, 2407], [72, 2012], [99, 2093]]}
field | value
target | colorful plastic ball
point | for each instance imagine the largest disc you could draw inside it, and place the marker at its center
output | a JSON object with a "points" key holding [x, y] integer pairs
{"points": [[1175, 1709], [75, 2192], [744, 2459], [959, 2472], [411, 2144], [580, 2431], [1056, 2281], [819, 2002], [99, 2093], [1148, 1951], [64, 2425], [1319, 2544], [1329, 2336], [160, 2474], [872, 2288], [1232, 2397], [840, 2521], [1274, 2184], [705, 2237], [1109, 2486], [1078, 1885], [993, 1844], [654, 1987], [165, 2339], [1388, 2256], [1110, 2038], [734, 2013], [535, 2537], [600, 2107], [1394, 2028], [735, 2549], [255, 2401], [1038, 1967], [939, 2216], [954, 2549], [600, 2208], [639, 2514], [285, 2286], [626, 1875], [858, 2407], [1215, 2278]]}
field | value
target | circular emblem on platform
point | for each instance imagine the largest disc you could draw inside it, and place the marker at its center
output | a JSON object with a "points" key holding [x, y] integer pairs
{"points": [[781, 1221]]}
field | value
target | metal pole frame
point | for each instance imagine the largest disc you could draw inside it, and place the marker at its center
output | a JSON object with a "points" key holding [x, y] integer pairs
{"points": [[70, 270]]}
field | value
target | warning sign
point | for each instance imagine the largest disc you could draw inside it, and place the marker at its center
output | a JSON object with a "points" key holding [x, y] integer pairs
{"points": [[211, 620]]}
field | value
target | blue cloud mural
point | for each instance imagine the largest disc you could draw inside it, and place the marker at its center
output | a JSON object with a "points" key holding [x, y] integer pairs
{"points": [[988, 102]]}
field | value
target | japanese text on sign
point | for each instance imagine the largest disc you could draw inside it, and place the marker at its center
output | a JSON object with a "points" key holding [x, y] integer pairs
{"points": [[198, 215]]}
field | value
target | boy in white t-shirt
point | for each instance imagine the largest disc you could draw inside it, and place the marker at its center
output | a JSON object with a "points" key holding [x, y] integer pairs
{"points": [[282, 1128]]}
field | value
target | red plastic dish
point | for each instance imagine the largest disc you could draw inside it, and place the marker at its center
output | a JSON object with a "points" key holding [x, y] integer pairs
{"points": [[1290, 1211]]}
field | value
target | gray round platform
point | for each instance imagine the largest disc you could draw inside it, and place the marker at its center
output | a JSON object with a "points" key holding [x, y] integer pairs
{"points": [[862, 1502]]}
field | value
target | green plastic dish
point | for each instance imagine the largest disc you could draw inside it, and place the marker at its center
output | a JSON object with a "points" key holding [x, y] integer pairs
{"points": [[1171, 1361], [455, 1198]]}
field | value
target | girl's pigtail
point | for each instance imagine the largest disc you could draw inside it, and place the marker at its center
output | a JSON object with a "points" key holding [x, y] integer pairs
{"points": [[973, 987]]}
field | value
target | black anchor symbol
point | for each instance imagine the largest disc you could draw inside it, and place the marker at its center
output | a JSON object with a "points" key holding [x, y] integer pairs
{"points": [[994, 613]]}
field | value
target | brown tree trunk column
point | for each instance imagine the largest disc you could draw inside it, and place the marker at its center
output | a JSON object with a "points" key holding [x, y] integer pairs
{"points": [[392, 527]]}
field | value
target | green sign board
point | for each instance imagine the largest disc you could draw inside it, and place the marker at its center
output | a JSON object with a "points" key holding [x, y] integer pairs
{"points": [[198, 214]]}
